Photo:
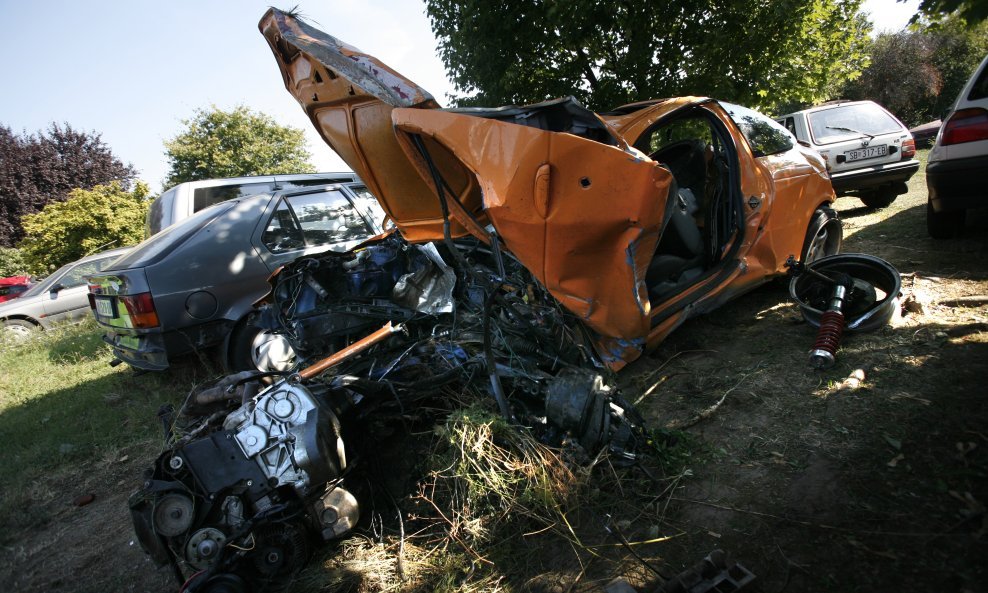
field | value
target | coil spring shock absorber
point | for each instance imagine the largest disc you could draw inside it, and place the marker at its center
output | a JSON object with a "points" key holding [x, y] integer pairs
{"points": [[831, 326]]}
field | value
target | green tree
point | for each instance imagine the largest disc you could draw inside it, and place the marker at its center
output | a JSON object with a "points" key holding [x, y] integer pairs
{"points": [[971, 11], [89, 221], [217, 143], [36, 169], [606, 53], [916, 73]]}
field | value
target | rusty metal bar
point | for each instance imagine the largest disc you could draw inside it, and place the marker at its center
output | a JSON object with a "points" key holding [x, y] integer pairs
{"points": [[355, 348]]}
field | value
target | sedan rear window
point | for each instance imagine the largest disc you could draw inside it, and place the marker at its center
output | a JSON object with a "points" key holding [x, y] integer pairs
{"points": [[161, 244], [847, 122]]}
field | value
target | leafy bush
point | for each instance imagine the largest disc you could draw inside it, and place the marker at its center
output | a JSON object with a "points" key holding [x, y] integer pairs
{"points": [[12, 262], [88, 222]]}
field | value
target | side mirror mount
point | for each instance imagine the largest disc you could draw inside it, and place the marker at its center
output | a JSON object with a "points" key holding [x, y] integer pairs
{"points": [[56, 288]]}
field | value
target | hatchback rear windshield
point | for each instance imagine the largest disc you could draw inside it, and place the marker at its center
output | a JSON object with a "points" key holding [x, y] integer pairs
{"points": [[160, 245], [847, 122]]}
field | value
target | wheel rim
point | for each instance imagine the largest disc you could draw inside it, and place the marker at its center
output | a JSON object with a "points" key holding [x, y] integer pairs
{"points": [[271, 352], [865, 271], [17, 332], [821, 245]]}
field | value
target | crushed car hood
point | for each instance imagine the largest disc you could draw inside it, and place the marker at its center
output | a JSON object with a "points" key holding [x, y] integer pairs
{"points": [[349, 96], [545, 176]]}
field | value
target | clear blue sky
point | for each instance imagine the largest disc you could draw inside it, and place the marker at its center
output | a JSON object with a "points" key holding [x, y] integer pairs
{"points": [[132, 70]]}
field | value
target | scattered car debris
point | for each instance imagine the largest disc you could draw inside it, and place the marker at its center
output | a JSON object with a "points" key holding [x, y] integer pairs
{"points": [[536, 250], [713, 574], [850, 291], [83, 500]]}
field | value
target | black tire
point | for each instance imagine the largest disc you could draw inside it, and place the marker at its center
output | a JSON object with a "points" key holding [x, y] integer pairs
{"points": [[824, 235], [19, 329], [245, 350], [880, 198], [943, 225]]}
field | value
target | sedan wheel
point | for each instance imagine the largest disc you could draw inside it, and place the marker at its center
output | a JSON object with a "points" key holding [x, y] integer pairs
{"points": [[880, 198]]}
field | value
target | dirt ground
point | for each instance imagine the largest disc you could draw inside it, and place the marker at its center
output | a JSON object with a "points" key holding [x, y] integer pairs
{"points": [[816, 481], [811, 480]]}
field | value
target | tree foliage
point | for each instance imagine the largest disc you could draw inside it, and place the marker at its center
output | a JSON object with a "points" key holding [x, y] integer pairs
{"points": [[606, 53], [89, 221], [40, 168], [917, 73], [970, 11], [217, 143]]}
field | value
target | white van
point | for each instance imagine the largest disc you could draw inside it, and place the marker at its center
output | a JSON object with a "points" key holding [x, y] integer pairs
{"points": [[185, 199]]}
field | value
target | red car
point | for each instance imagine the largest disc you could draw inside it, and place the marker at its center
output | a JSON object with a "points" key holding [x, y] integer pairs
{"points": [[13, 286]]}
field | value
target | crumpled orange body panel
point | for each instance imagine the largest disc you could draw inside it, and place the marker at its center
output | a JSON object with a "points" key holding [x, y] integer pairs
{"points": [[582, 216]]}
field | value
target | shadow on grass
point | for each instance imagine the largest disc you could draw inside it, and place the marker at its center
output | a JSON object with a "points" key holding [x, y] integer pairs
{"points": [[92, 411], [903, 241]]}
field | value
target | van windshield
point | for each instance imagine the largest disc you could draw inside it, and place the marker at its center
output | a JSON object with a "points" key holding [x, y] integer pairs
{"points": [[160, 245]]}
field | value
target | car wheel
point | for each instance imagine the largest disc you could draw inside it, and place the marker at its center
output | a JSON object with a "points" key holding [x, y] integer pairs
{"points": [[19, 329], [254, 349], [823, 235], [880, 198], [943, 225]]}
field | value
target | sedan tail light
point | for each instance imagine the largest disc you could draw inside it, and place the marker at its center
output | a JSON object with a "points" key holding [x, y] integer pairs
{"points": [[966, 125], [140, 307], [908, 149]]}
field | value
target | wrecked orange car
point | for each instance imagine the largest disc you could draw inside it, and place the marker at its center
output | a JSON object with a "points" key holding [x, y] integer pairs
{"points": [[634, 220], [534, 249]]}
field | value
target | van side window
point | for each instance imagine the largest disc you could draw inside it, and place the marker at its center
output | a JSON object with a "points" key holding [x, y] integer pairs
{"points": [[159, 214], [207, 196]]}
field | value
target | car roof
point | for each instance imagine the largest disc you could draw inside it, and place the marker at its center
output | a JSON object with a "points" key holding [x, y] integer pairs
{"points": [[828, 105], [102, 254], [221, 181]]}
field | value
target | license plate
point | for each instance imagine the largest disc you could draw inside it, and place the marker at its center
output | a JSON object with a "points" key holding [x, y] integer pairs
{"points": [[105, 307], [869, 152]]}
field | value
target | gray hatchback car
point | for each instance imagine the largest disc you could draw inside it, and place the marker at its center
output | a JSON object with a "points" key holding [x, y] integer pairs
{"points": [[59, 297], [192, 286]]}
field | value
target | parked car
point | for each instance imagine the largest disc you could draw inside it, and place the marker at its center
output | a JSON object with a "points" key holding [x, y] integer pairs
{"points": [[12, 287], [62, 296], [185, 199], [958, 163], [925, 134], [869, 152], [192, 286]]}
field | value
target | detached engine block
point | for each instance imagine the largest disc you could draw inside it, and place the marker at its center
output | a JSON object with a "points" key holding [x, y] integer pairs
{"points": [[249, 488]]}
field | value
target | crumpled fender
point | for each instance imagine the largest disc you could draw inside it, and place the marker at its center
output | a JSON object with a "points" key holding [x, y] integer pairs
{"points": [[582, 216]]}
